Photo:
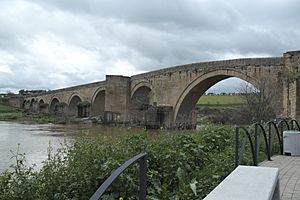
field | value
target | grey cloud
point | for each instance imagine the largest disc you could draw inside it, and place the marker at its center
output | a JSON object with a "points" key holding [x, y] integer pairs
{"points": [[203, 14], [40, 37]]}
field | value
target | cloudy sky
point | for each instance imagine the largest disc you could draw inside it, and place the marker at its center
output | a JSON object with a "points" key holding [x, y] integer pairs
{"points": [[50, 44]]}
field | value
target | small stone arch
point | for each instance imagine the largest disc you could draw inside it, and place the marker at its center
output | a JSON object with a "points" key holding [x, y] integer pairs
{"points": [[32, 101], [98, 102], [24, 104], [139, 85], [189, 97], [73, 105], [141, 97], [139, 103], [57, 107], [32, 105], [42, 106], [74, 94]]}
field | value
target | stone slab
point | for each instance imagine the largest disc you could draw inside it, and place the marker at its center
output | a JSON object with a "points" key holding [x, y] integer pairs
{"points": [[247, 183]]}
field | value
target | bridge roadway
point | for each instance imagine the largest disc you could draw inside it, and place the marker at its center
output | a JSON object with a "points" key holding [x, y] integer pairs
{"points": [[289, 175]]}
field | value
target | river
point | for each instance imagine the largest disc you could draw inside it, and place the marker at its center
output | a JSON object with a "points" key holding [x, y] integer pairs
{"points": [[34, 139]]}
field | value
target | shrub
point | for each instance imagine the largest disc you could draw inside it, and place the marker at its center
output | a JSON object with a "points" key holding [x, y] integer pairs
{"points": [[186, 165]]}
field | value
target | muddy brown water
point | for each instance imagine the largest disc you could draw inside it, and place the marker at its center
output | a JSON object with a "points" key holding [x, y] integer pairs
{"points": [[34, 139]]}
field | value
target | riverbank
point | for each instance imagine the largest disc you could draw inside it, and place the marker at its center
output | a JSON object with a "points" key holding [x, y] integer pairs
{"points": [[181, 165], [205, 114], [9, 113]]}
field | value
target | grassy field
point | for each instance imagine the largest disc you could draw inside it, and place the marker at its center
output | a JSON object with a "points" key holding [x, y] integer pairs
{"points": [[223, 101], [9, 113], [7, 109]]}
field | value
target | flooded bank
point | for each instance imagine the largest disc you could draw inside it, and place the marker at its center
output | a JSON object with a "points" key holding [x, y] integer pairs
{"points": [[34, 139]]}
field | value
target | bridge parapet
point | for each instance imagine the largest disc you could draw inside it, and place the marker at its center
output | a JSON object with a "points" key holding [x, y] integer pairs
{"points": [[73, 88], [233, 63]]}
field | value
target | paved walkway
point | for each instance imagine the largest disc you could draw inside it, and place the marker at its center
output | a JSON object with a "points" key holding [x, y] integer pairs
{"points": [[289, 175]]}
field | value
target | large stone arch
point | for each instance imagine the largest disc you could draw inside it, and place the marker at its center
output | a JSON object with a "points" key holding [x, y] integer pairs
{"points": [[73, 102], [191, 94], [98, 102]]}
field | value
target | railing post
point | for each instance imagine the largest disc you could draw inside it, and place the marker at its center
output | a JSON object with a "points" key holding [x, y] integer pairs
{"points": [[143, 178], [270, 139], [255, 146], [281, 135], [236, 146]]}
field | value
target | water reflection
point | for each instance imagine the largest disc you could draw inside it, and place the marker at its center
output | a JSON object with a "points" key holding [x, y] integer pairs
{"points": [[34, 139]]}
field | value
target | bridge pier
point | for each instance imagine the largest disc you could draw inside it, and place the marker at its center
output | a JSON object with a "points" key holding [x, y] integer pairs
{"points": [[291, 89], [117, 96], [158, 117]]}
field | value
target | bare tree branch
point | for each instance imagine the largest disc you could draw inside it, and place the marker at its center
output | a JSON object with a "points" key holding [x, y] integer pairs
{"points": [[260, 101]]}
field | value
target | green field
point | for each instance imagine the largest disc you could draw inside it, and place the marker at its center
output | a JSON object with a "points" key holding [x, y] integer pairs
{"points": [[9, 113], [7, 109], [222, 100]]}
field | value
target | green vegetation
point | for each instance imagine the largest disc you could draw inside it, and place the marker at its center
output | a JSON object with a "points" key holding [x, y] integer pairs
{"points": [[9, 113], [221, 101], [184, 165], [7, 109]]}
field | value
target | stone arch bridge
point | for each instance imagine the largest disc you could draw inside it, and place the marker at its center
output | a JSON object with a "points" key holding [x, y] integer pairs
{"points": [[168, 96]]}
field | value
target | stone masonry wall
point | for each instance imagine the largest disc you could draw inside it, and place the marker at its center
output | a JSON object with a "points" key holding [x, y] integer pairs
{"points": [[177, 88]]}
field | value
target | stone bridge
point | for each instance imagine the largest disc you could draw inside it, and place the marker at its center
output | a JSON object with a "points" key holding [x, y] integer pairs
{"points": [[168, 96]]}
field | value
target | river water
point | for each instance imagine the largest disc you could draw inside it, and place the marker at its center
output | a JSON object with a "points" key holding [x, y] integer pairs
{"points": [[34, 140]]}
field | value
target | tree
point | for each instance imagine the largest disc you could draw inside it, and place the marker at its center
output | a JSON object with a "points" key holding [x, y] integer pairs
{"points": [[260, 102]]}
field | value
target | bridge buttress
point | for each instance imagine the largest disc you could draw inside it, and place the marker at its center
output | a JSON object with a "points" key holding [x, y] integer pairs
{"points": [[291, 90], [117, 96]]}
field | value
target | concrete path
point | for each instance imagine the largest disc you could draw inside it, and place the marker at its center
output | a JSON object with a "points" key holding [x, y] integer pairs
{"points": [[289, 175]]}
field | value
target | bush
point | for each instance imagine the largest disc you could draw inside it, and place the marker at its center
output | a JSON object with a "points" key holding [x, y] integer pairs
{"points": [[186, 165]]}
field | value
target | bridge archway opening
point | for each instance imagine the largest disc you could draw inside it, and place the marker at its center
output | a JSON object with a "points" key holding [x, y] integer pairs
{"points": [[24, 104], [54, 106], [32, 103], [141, 98], [185, 115], [73, 106], [140, 102], [98, 106], [42, 106]]}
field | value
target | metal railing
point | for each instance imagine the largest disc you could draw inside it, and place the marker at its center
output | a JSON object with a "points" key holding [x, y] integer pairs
{"points": [[256, 132], [143, 177]]}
